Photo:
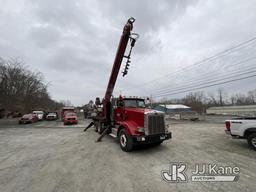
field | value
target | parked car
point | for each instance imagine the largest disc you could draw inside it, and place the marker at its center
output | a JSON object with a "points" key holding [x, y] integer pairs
{"points": [[28, 118], [39, 114], [52, 116], [242, 128], [70, 118]]}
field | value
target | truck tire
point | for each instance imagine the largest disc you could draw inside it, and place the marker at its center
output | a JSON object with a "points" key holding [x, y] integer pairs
{"points": [[251, 139], [125, 141]]}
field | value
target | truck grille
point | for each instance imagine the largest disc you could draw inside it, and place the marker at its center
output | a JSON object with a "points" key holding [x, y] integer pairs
{"points": [[154, 124]]}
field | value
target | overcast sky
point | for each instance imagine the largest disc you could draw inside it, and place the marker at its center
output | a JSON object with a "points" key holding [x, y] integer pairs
{"points": [[73, 42]]}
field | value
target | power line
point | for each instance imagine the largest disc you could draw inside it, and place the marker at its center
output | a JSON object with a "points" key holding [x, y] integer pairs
{"points": [[212, 81], [205, 86], [216, 56], [195, 80]]}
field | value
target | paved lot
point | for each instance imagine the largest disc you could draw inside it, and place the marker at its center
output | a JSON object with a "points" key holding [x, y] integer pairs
{"points": [[49, 157]]}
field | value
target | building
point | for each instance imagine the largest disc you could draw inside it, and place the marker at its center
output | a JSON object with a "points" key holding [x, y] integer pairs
{"points": [[243, 110], [173, 108]]}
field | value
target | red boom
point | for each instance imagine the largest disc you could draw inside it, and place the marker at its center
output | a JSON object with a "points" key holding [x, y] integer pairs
{"points": [[116, 66]]}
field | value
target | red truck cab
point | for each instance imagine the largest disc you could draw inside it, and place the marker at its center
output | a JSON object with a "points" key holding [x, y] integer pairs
{"points": [[134, 124], [66, 109]]}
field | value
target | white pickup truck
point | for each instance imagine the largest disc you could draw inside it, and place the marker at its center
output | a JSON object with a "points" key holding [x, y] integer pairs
{"points": [[243, 128]]}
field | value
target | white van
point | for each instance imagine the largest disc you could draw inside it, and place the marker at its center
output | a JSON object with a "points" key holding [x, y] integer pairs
{"points": [[39, 114]]}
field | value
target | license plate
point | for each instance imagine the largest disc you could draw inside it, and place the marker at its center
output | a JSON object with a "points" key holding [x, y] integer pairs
{"points": [[162, 137]]}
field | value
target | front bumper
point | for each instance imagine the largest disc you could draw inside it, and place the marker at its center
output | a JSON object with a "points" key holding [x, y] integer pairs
{"points": [[51, 118], [70, 122], [147, 139]]}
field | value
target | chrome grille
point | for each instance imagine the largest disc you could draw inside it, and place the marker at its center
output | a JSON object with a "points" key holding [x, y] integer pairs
{"points": [[154, 124]]}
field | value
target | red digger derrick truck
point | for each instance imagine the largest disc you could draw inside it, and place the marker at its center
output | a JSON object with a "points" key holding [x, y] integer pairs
{"points": [[128, 119]]}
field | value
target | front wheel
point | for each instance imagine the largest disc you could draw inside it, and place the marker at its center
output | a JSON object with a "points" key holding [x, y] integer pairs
{"points": [[125, 141], [252, 140]]}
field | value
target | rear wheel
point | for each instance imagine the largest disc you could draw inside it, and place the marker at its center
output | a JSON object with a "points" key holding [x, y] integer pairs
{"points": [[125, 141], [251, 139]]}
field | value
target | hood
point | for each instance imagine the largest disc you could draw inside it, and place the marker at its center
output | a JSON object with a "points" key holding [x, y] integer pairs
{"points": [[137, 114]]}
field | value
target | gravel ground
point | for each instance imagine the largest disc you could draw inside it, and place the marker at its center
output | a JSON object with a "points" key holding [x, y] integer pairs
{"points": [[46, 156]]}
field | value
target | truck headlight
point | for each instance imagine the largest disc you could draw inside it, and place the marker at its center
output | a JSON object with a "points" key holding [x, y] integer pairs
{"points": [[141, 129]]}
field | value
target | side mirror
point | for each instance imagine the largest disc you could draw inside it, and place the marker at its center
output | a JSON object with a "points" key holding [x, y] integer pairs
{"points": [[120, 103], [97, 101]]}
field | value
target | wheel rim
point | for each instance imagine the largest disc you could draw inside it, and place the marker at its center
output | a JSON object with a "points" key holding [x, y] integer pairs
{"points": [[123, 140], [254, 142]]}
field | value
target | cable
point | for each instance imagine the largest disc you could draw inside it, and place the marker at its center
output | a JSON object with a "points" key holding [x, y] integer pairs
{"points": [[207, 78], [206, 86], [240, 45], [206, 75], [212, 81]]}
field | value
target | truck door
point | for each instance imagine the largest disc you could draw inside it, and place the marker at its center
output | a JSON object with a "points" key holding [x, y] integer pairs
{"points": [[119, 111]]}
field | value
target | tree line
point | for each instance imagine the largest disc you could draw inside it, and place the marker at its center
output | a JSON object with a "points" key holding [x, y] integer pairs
{"points": [[200, 101], [23, 90]]}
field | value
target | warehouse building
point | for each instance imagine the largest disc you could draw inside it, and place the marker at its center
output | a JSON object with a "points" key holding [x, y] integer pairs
{"points": [[171, 108], [243, 110]]}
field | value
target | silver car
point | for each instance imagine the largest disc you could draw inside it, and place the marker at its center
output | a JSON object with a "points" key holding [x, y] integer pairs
{"points": [[51, 116]]}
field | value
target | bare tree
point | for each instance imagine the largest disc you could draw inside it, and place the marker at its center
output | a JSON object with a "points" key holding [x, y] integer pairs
{"points": [[251, 97], [212, 100], [233, 100], [66, 102], [21, 89], [195, 101], [220, 96]]}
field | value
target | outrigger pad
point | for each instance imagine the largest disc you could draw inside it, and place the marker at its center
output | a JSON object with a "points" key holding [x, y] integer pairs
{"points": [[90, 125]]}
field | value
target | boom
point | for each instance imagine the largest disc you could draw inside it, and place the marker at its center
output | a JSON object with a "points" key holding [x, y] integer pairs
{"points": [[126, 35]]}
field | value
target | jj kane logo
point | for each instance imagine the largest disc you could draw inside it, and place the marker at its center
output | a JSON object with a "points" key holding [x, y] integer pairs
{"points": [[202, 172]]}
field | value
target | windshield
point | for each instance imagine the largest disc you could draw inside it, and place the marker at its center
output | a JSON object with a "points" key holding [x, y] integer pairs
{"points": [[52, 114], [134, 103], [70, 114]]}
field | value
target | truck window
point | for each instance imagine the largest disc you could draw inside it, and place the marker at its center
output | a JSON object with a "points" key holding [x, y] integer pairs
{"points": [[134, 103], [130, 103], [141, 104]]}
